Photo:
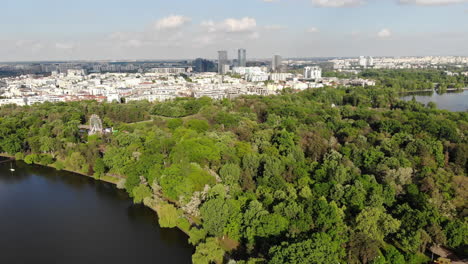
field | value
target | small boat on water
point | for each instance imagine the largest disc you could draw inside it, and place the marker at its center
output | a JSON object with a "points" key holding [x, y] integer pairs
{"points": [[11, 166]]}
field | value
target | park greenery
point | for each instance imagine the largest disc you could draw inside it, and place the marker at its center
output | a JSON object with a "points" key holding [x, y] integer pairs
{"points": [[411, 79], [403, 80], [345, 175]]}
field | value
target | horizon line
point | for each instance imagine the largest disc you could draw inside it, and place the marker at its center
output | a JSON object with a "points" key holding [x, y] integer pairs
{"points": [[192, 59]]}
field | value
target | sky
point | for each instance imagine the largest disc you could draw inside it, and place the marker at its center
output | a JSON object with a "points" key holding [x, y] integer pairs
{"points": [[32, 30]]}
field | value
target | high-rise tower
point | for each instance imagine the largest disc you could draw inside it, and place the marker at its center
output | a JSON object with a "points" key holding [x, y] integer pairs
{"points": [[222, 61], [276, 63], [242, 57]]}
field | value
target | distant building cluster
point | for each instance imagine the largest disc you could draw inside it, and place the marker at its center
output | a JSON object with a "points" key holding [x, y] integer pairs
{"points": [[29, 84], [398, 62], [366, 61], [225, 66], [333, 81], [156, 84]]}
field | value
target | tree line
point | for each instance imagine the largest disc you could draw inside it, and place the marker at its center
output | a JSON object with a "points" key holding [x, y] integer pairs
{"points": [[346, 175]]}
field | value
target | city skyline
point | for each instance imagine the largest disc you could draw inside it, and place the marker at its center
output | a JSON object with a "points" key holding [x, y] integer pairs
{"points": [[141, 30]]}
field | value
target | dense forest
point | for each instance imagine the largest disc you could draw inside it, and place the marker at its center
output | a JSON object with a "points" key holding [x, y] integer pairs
{"points": [[411, 79], [347, 175]]}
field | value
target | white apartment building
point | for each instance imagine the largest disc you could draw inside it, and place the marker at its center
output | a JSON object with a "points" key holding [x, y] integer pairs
{"points": [[249, 70], [260, 77], [280, 76], [42, 99], [362, 61], [76, 73], [312, 72], [17, 101], [169, 70]]}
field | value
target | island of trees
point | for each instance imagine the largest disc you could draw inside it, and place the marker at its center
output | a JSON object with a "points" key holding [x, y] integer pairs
{"points": [[345, 175], [404, 80]]}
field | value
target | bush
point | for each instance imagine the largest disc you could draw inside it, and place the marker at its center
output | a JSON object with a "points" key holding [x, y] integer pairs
{"points": [[32, 159], [140, 193], [168, 215], [121, 184], [198, 125], [99, 168], [19, 156], [196, 235], [46, 159], [183, 224], [174, 123], [59, 165], [131, 182]]}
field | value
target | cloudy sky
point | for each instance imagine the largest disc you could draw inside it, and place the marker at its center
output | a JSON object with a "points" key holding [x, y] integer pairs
{"points": [[177, 29]]}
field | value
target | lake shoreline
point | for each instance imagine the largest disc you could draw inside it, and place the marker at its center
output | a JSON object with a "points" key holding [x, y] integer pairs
{"points": [[5, 155], [452, 100], [433, 90]]}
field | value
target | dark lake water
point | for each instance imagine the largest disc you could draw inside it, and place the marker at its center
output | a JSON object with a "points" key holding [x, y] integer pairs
{"points": [[49, 216], [453, 101]]}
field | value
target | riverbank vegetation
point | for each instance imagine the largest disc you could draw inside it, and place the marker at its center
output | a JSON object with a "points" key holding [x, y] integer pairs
{"points": [[348, 175], [413, 80], [405, 80]]}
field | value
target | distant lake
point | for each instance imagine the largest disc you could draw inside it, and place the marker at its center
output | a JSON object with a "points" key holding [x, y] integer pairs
{"points": [[452, 101], [49, 216]]}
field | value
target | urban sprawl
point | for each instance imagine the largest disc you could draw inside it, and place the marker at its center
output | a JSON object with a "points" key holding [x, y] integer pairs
{"points": [[30, 83]]}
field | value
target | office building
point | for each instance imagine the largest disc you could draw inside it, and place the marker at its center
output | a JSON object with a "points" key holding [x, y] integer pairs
{"points": [[276, 63], [202, 65], [222, 61], [242, 57]]}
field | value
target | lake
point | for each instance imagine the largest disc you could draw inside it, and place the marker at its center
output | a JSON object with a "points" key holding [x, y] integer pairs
{"points": [[453, 101], [49, 216]]}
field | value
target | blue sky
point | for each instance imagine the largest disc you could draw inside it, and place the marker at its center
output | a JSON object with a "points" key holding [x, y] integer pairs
{"points": [[155, 29]]}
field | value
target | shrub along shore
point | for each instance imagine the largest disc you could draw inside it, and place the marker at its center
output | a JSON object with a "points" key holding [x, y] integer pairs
{"points": [[154, 203]]}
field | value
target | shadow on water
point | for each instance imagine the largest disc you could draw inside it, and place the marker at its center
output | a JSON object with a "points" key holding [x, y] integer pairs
{"points": [[418, 93], [61, 217], [142, 214], [456, 101]]}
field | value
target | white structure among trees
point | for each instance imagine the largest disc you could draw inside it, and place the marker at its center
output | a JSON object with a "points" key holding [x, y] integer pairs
{"points": [[95, 125]]}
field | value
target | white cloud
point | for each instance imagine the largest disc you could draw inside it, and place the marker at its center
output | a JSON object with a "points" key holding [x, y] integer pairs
{"points": [[242, 25], [171, 22], [260, 38], [229, 31], [231, 25], [384, 33], [338, 3], [431, 2]]}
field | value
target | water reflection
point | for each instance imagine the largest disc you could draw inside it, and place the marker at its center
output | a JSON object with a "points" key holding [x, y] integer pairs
{"points": [[11, 177], [451, 100], [50, 216]]}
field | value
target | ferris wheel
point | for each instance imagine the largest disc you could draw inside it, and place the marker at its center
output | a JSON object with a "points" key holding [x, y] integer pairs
{"points": [[95, 125]]}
